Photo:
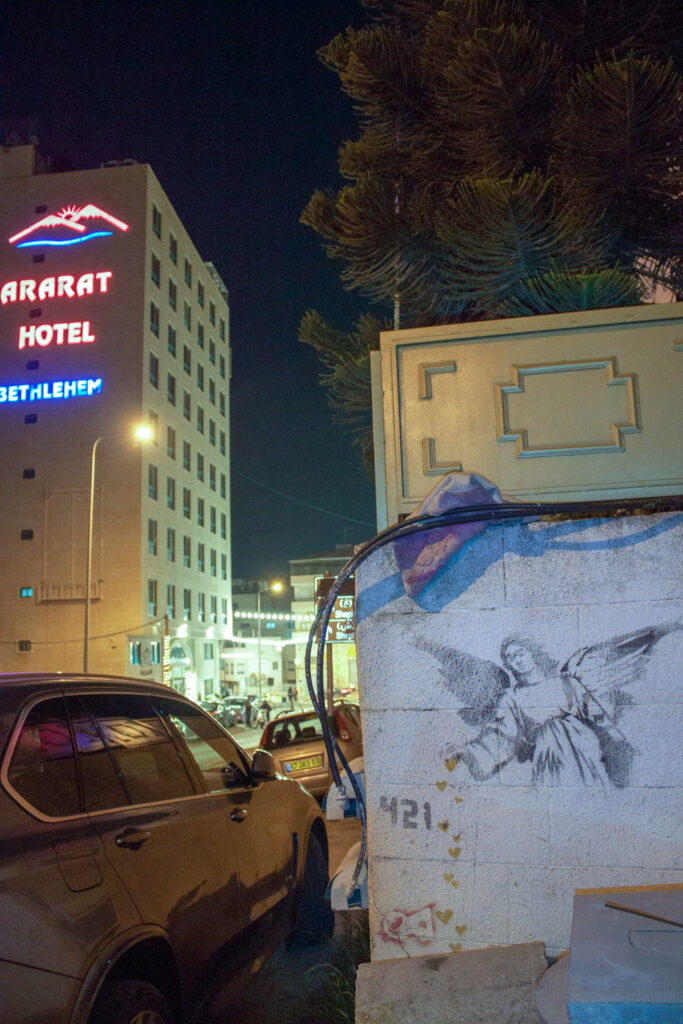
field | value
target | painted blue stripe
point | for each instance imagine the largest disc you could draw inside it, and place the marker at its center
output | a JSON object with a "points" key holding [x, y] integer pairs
{"points": [[68, 241]]}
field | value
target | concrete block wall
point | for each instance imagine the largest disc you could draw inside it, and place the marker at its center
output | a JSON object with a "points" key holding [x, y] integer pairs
{"points": [[522, 722]]}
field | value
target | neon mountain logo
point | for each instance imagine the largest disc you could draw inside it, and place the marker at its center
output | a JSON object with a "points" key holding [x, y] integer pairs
{"points": [[66, 227]]}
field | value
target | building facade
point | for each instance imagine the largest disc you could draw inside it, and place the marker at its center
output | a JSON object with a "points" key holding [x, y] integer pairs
{"points": [[110, 319]]}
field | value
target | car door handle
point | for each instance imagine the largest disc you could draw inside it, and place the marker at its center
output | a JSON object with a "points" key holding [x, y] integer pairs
{"points": [[239, 814], [132, 838]]}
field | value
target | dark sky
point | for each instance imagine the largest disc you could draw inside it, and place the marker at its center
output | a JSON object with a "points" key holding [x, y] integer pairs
{"points": [[229, 104]]}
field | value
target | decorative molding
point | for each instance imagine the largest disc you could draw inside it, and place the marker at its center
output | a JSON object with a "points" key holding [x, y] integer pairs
{"points": [[430, 467], [616, 430], [425, 372]]}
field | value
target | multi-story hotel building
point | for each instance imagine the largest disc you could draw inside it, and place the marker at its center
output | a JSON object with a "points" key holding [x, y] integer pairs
{"points": [[110, 319]]}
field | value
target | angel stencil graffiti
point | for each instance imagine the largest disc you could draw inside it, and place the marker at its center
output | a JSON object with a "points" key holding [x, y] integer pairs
{"points": [[563, 721]]}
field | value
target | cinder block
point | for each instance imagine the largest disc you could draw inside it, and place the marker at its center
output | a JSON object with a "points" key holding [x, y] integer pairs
{"points": [[487, 986]]}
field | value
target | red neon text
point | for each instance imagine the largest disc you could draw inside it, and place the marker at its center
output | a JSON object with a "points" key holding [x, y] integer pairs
{"points": [[76, 333], [65, 286]]}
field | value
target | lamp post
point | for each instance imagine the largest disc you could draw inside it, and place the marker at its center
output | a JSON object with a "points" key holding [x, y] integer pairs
{"points": [[272, 588], [143, 432]]}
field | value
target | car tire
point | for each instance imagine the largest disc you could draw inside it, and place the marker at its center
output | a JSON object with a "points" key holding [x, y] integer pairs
{"points": [[131, 1002], [315, 917]]}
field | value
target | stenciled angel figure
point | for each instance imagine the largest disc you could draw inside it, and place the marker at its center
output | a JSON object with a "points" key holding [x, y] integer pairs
{"points": [[561, 721]]}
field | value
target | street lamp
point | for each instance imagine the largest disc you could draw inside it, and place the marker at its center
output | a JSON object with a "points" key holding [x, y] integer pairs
{"points": [[272, 588], [143, 432]]}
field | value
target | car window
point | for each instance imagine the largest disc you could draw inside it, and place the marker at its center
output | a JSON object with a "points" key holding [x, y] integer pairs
{"points": [[43, 766], [285, 732], [125, 752], [220, 762]]}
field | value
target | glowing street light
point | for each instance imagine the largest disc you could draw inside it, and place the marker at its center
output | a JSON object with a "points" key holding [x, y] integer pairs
{"points": [[143, 432], [273, 588]]}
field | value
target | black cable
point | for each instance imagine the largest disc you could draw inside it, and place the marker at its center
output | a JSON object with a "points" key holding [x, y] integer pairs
{"points": [[606, 508]]}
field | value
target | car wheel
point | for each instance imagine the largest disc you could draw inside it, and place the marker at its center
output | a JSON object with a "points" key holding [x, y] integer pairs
{"points": [[131, 1002], [315, 917]]}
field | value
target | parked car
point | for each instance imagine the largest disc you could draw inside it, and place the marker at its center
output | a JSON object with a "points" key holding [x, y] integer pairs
{"points": [[296, 742], [237, 706], [224, 715], [146, 861]]}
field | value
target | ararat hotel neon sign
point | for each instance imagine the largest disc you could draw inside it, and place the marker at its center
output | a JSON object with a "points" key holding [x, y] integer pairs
{"points": [[59, 229]]}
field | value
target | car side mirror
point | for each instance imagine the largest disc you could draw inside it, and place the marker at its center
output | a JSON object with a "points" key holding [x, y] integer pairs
{"points": [[262, 766]]}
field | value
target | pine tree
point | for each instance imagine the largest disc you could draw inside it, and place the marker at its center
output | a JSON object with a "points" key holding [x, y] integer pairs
{"points": [[513, 157]]}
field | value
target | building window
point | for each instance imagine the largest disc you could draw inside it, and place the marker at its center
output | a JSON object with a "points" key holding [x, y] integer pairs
{"points": [[221, 366], [172, 344], [187, 316], [173, 248], [212, 476], [201, 607], [200, 557], [170, 388], [28, 474], [223, 490], [224, 526], [187, 406], [221, 445], [221, 404], [200, 334], [187, 359], [187, 503], [153, 423], [187, 552], [200, 293], [170, 443], [154, 319], [212, 351], [187, 456], [152, 598], [153, 370], [172, 294], [170, 544], [26, 535], [221, 328], [212, 519], [26, 592], [156, 270], [224, 567], [224, 611], [187, 605], [213, 615], [152, 481], [212, 392], [212, 313], [200, 466], [152, 536], [200, 511], [213, 568], [156, 221], [200, 376], [170, 600], [200, 419], [212, 433], [188, 272], [170, 492]]}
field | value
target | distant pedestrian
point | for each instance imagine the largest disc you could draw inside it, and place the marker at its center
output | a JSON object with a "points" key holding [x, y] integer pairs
{"points": [[266, 709], [291, 693], [248, 709]]}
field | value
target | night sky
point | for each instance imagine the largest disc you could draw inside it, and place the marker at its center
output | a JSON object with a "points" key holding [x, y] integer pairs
{"points": [[229, 104]]}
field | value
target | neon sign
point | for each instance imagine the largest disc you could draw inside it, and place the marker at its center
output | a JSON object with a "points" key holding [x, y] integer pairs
{"points": [[65, 227], [51, 389], [65, 286], [75, 333]]}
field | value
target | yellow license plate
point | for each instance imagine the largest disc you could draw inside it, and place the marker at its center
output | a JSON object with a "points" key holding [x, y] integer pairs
{"points": [[302, 764]]}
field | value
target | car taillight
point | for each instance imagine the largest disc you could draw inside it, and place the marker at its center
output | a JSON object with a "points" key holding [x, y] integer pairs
{"points": [[342, 732]]}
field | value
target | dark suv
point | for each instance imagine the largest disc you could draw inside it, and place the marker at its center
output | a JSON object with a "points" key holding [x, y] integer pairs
{"points": [[146, 861]]}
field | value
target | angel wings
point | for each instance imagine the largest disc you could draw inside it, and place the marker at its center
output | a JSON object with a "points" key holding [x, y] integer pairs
{"points": [[561, 720]]}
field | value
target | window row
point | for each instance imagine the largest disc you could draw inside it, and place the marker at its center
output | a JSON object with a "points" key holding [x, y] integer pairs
{"points": [[215, 558], [171, 389], [213, 612], [172, 336], [213, 518]]}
